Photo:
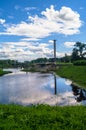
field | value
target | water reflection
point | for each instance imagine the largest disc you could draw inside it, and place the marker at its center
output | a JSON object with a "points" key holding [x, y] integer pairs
{"points": [[79, 93], [55, 85], [38, 88]]}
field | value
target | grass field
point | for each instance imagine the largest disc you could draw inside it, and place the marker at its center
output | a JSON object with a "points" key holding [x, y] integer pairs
{"points": [[42, 117], [75, 73]]}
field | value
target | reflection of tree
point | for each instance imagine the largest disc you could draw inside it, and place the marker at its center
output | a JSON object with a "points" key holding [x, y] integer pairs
{"points": [[75, 90], [79, 93]]}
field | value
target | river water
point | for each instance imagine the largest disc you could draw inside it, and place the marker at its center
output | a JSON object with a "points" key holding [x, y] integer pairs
{"points": [[39, 88]]}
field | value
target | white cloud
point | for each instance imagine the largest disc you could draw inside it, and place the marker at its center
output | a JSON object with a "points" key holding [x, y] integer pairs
{"points": [[2, 21], [81, 8], [30, 39], [50, 41], [26, 51], [11, 17], [30, 8], [65, 21], [69, 44], [17, 7]]}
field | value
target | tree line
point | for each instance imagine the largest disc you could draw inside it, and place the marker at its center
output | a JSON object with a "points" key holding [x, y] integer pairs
{"points": [[78, 54]]}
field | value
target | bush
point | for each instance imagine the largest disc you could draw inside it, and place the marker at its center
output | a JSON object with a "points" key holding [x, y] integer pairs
{"points": [[80, 62]]}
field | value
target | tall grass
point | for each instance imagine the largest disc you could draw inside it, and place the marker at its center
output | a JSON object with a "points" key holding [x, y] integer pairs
{"points": [[42, 117]]}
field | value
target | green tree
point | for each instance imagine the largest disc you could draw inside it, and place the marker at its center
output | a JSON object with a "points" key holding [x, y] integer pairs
{"points": [[79, 51]]}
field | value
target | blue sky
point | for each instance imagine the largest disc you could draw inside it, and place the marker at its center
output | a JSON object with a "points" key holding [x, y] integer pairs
{"points": [[27, 27]]}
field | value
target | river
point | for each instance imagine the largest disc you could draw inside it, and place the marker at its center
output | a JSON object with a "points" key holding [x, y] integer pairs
{"points": [[39, 88]]}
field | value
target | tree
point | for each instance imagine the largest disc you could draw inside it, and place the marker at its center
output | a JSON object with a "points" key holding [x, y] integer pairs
{"points": [[75, 55], [79, 51], [67, 58], [81, 47]]}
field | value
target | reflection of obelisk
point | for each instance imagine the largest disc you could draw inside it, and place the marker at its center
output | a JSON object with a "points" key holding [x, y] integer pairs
{"points": [[55, 85], [54, 51]]}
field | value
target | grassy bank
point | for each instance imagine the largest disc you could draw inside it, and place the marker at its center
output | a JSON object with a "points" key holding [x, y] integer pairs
{"points": [[42, 118], [75, 73], [3, 72]]}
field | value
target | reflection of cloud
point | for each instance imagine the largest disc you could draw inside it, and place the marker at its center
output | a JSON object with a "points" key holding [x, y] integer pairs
{"points": [[68, 82], [32, 92], [37, 93], [62, 100], [32, 88]]}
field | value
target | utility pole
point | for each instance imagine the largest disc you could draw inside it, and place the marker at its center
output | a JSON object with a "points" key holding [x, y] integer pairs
{"points": [[54, 51]]}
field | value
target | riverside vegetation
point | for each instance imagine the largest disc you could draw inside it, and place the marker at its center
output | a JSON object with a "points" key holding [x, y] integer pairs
{"points": [[75, 73], [13, 117], [42, 117], [3, 72]]}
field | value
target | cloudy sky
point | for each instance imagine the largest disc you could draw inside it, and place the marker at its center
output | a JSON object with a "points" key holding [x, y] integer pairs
{"points": [[27, 27]]}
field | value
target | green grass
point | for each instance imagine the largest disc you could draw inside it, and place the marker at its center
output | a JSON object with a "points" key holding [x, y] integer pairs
{"points": [[42, 117], [64, 64], [75, 73]]}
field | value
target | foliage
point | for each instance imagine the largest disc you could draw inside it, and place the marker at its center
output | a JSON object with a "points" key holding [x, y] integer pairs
{"points": [[79, 51], [65, 59], [75, 73], [10, 64], [80, 62], [40, 60], [64, 63], [42, 117]]}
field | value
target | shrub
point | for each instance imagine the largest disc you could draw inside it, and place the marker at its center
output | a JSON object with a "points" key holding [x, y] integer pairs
{"points": [[80, 62]]}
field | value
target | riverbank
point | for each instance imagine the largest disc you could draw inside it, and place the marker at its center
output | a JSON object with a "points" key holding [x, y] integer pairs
{"points": [[42, 117], [4, 72], [74, 73]]}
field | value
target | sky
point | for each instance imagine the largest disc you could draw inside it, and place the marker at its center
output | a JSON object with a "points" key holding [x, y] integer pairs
{"points": [[28, 28]]}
